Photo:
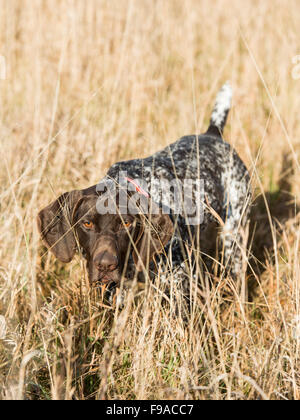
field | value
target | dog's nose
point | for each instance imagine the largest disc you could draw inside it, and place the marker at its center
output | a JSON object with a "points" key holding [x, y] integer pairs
{"points": [[106, 261]]}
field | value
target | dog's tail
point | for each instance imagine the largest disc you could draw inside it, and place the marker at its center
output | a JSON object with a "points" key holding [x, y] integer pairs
{"points": [[220, 111]]}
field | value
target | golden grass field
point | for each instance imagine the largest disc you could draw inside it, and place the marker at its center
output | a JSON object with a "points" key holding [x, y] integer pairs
{"points": [[90, 83]]}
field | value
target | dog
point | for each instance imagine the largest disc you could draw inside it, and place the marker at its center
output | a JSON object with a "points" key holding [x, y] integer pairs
{"points": [[149, 225]]}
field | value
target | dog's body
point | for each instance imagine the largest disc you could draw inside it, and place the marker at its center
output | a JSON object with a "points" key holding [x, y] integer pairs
{"points": [[224, 203]]}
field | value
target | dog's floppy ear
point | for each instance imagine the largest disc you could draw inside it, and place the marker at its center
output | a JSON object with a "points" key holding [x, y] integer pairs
{"points": [[55, 225], [155, 232]]}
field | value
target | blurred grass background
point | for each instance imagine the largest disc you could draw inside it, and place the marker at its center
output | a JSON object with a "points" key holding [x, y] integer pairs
{"points": [[91, 83]]}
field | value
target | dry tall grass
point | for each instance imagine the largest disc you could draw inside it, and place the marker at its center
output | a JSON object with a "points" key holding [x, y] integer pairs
{"points": [[90, 83]]}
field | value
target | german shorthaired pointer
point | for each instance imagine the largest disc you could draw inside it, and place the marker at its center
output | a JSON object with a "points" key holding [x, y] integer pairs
{"points": [[159, 212]]}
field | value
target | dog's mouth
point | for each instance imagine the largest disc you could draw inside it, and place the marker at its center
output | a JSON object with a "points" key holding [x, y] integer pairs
{"points": [[107, 279]]}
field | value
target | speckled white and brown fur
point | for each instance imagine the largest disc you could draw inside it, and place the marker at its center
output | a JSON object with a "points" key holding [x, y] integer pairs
{"points": [[226, 186]]}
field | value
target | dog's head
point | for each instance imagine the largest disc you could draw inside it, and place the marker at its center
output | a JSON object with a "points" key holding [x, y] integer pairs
{"points": [[106, 239]]}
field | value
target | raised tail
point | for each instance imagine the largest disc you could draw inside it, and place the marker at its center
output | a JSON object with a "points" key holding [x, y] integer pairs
{"points": [[220, 111]]}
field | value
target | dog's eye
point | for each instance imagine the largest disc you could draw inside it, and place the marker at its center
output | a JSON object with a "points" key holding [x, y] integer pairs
{"points": [[125, 224], [88, 225]]}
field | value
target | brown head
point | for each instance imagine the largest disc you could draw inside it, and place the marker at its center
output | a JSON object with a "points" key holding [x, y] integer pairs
{"points": [[106, 239]]}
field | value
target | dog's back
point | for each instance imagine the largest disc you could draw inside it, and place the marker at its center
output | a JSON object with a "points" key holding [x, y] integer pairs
{"points": [[207, 160]]}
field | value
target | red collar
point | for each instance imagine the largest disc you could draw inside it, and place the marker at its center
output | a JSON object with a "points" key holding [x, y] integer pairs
{"points": [[137, 187]]}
